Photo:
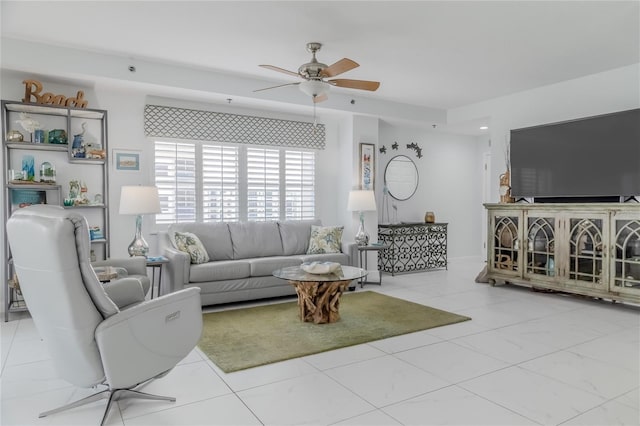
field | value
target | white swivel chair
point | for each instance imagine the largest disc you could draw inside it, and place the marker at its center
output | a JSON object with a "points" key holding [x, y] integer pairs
{"points": [[91, 340]]}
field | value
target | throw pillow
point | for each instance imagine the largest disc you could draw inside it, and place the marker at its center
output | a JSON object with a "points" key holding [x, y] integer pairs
{"points": [[325, 239], [190, 244]]}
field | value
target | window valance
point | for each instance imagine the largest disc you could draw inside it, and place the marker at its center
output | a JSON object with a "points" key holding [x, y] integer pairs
{"points": [[182, 123]]}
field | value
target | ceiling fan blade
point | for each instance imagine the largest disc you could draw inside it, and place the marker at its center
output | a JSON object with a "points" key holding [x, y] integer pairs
{"points": [[320, 98], [355, 84], [343, 65], [275, 87], [282, 70]]}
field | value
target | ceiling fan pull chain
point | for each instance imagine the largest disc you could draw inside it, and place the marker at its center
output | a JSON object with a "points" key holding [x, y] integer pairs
{"points": [[315, 121]]}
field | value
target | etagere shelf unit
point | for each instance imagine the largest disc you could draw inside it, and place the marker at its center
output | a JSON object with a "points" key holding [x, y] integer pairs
{"points": [[72, 143]]}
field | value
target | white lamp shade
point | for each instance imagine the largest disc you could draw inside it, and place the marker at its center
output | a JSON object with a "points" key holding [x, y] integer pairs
{"points": [[314, 87], [361, 201], [139, 200]]}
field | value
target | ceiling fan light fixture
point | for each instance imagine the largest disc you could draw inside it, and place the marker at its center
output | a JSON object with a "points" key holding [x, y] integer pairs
{"points": [[314, 88]]}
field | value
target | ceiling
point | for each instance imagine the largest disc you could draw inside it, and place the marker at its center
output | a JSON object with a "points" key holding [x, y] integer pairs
{"points": [[434, 54]]}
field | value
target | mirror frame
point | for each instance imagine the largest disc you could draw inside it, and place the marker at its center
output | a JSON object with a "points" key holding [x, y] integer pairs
{"points": [[386, 180]]}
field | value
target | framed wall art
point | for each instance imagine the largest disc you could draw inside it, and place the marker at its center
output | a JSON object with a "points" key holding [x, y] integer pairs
{"points": [[126, 160], [367, 166]]}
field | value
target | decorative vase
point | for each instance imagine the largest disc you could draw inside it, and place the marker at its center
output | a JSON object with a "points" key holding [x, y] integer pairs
{"points": [[15, 136], [429, 217], [505, 188]]}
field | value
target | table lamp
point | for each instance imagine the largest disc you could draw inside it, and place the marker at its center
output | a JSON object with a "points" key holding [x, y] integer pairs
{"points": [[361, 201], [139, 200]]}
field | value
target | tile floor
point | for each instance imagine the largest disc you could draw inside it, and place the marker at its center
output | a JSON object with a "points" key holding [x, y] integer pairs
{"points": [[525, 358]]}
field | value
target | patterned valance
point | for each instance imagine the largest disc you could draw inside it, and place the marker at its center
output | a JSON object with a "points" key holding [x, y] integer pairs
{"points": [[182, 123]]}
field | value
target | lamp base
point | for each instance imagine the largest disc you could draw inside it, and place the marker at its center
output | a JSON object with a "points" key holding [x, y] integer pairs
{"points": [[361, 238], [138, 246]]}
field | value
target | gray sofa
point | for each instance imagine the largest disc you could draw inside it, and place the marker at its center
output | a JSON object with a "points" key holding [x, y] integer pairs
{"points": [[242, 259]]}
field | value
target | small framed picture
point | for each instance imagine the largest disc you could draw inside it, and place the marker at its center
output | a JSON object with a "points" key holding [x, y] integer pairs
{"points": [[367, 166], [126, 160]]}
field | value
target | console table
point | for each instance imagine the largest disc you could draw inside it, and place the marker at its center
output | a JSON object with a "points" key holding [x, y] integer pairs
{"points": [[412, 247], [589, 249]]}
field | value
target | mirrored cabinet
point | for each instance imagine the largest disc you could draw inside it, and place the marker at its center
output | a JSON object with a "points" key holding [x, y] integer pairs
{"points": [[589, 249]]}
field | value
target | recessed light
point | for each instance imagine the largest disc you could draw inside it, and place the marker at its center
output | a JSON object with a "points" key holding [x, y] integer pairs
{"points": [[484, 127]]}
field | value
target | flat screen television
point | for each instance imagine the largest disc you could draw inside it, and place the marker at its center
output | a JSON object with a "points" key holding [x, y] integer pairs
{"points": [[590, 159]]}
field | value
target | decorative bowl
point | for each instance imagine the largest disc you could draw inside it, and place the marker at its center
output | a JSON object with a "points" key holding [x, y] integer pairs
{"points": [[320, 268]]}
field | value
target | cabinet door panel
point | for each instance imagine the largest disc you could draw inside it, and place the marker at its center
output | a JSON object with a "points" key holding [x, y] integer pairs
{"points": [[586, 252], [540, 246], [505, 256], [625, 268]]}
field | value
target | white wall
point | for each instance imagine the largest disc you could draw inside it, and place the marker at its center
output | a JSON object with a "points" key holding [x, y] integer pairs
{"points": [[611, 91], [125, 107], [450, 182], [450, 171]]}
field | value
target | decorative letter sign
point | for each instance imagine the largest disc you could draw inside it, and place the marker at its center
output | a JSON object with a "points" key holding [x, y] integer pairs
{"points": [[33, 88]]}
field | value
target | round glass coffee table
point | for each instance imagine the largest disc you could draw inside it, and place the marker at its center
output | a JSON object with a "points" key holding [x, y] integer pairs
{"points": [[319, 294]]}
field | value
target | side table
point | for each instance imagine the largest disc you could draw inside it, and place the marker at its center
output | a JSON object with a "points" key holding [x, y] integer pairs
{"points": [[156, 263], [106, 273], [362, 252]]}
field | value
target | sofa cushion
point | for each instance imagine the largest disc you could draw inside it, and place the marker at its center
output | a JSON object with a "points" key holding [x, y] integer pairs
{"points": [[255, 239], [219, 271], [264, 266], [190, 244], [325, 239], [215, 237], [295, 235]]}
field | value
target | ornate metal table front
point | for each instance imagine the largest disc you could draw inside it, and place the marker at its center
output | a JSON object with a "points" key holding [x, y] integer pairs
{"points": [[412, 247]]}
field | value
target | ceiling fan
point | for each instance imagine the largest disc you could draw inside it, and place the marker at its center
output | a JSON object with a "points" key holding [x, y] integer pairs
{"points": [[315, 73]]}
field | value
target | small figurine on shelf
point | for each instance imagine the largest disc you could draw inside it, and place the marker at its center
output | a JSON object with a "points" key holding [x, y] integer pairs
{"points": [[14, 136], [82, 198], [58, 136], [74, 189], [77, 193], [78, 148], [28, 168], [28, 124], [95, 233], [47, 173], [94, 150]]}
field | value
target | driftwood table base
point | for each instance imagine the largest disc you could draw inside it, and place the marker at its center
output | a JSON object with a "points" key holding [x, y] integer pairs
{"points": [[319, 302]]}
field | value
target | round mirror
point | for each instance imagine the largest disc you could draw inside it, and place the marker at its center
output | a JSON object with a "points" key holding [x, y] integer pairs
{"points": [[401, 177]]}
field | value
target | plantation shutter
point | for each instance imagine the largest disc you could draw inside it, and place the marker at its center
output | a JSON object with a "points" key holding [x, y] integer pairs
{"points": [[263, 184], [220, 186], [299, 185], [175, 171]]}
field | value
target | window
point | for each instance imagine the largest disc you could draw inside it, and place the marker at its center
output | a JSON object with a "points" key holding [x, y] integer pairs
{"points": [[210, 182]]}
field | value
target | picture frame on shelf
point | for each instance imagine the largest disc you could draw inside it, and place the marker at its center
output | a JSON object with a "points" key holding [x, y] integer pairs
{"points": [[367, 166], [126, 160]]}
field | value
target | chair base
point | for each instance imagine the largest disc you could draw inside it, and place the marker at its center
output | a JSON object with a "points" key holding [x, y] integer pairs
{"points": [[113, 395]]}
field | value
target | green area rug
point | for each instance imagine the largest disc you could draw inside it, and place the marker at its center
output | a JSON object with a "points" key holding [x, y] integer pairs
{"points": [[244, 338]]}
